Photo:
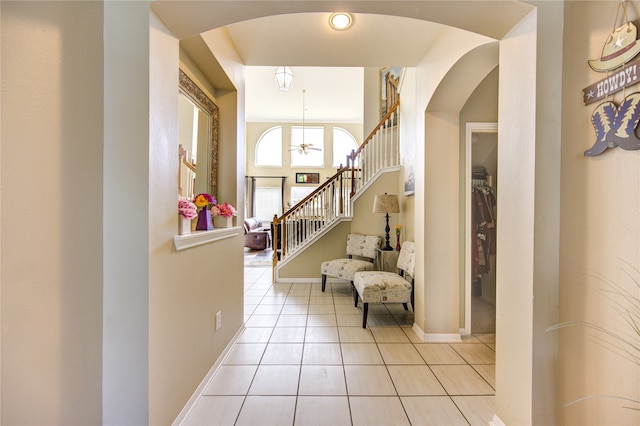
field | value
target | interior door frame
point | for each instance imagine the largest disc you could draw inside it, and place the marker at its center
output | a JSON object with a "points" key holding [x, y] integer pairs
{"points": [[471, 128]]}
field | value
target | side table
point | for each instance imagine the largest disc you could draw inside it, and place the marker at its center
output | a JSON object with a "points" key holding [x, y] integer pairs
{"points": [[387, 260]]}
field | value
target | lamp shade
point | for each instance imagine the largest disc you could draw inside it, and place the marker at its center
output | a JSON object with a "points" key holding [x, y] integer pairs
{"points": [[386, 203], [284, 77]]}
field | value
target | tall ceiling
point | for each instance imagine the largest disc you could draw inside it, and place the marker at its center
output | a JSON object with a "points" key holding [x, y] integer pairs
{"points": [[328, 65], [331, 95]]}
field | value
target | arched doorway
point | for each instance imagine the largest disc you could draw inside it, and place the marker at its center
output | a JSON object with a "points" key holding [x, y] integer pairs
{"points": [[518, 35]]}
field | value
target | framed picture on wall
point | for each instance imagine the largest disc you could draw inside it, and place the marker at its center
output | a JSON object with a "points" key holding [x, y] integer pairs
{"points": [[308, 178]]}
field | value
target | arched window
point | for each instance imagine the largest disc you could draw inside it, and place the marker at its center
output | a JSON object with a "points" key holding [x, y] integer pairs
{"points": [[343, 144], [307, 146], [269, 148]]}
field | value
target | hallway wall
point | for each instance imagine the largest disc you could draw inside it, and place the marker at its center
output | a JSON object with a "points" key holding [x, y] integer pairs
{"points": [[599, 239], [52, 235], [52, 272], [187, 288]]}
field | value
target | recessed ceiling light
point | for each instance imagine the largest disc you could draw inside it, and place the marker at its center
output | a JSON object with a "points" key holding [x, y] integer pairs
{"points": [[340, 21]]}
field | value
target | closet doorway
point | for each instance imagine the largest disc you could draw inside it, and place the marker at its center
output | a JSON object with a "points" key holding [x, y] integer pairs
{"points": [[481, 174]]}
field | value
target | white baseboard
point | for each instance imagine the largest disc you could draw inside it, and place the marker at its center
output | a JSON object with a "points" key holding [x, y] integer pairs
{"points": [[298, 280], [495, 421], [442, 338], [309, 280], [203, 384], [436, 337], [416, 329]]}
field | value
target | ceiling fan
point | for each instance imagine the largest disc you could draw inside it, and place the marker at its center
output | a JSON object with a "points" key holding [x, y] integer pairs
{"points": [[303, 148]]}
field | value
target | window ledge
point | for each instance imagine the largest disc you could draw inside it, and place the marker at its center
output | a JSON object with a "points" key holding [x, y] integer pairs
{"points": [[198, 238]]}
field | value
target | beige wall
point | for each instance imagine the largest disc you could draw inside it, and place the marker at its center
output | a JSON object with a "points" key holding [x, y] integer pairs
{"points": [[409, 149], [187, 288], [157, 306], [371, 101], [53, 306], [306, 265], [255, 130], [52, 156], [516, 158], [125, 349], [332, 245], [441, 94], [599, 238], [482, 106]]}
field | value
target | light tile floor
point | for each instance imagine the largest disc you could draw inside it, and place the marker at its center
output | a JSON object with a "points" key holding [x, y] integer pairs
{"points": [[304, 359]]}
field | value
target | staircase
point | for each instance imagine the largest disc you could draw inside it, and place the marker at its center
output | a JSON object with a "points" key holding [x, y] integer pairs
{"points": [[332, 202]]}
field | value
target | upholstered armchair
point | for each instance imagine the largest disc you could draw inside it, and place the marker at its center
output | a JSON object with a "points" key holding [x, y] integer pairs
{"points": [[364, 247], [387, 287]]}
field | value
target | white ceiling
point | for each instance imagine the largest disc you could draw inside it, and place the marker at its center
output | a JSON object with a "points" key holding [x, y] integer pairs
{"points": [[305, 39], [333, 95], [327, 64]]}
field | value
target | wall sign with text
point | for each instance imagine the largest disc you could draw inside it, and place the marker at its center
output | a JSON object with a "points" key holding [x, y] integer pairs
{"points": [[615, 125]]}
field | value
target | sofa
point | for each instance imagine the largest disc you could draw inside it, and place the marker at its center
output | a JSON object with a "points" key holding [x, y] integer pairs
{"points": [[256, 235]]}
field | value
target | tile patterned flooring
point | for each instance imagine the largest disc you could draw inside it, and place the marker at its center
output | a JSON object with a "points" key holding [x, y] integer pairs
{"points": [[304, 359]]}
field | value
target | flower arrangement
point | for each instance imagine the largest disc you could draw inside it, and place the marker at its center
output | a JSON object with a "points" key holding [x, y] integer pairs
{"points": [[398, 229], [224, 210], [187, 209], [203, 200]]}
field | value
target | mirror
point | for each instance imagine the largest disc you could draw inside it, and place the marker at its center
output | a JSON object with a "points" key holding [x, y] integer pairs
{"points": [[198, 140]]}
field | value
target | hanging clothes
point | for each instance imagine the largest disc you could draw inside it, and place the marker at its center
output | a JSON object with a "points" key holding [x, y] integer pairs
{"points": [[483, 232]]}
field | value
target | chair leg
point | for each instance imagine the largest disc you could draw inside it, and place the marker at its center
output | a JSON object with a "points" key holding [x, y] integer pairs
{"points": [[406, 308], [324, 281], [413, 305], [365, 310], [355, 299]]}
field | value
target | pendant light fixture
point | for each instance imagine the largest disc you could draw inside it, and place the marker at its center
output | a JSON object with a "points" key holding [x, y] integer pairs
{"points": [[303, 148], [284, 77]]}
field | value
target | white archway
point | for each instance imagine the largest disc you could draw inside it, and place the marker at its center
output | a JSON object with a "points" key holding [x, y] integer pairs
{"points": [[522, 59]]}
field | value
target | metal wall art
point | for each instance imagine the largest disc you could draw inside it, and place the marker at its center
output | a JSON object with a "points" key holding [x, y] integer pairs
{"points": [[615, 125]]}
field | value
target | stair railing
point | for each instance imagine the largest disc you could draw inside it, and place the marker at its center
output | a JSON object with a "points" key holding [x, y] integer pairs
{"points": [[381, 149], [331, 200]]}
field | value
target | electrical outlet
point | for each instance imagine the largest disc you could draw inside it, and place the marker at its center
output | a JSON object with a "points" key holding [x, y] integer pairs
{"points": [[218, 320]]}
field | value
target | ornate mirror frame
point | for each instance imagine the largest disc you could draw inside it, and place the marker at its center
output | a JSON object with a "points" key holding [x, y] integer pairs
{"points": [[197, 96]]}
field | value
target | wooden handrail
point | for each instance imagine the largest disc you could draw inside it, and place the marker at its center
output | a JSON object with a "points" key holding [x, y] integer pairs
{"points": [[377, 128], [341, 170], [326, 203], [328, 182]]}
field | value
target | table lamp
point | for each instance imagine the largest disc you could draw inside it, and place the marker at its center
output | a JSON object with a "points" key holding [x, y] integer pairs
{"points": [[386, 204]]}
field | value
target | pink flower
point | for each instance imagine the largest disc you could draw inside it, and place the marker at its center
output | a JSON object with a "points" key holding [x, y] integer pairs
{"points": [[224, 209], [187, 209]]}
